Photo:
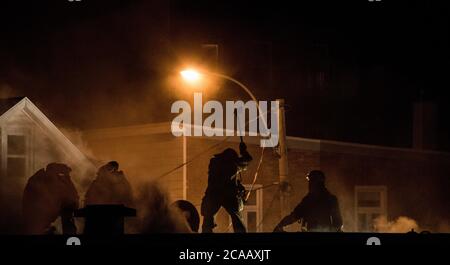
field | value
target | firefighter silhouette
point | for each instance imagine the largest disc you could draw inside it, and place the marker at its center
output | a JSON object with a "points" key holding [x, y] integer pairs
{"points": [[110, 187], [48, 194], [225, 188], [319, 209]]}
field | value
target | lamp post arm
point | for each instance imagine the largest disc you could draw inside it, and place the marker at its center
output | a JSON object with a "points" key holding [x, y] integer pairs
{"points": [[238, 83]]}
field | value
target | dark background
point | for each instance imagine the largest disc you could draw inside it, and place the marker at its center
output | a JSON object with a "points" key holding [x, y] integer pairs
{"points": [[349, 70]]}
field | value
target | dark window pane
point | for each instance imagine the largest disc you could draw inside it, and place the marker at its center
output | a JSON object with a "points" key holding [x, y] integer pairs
{"points": [[16, 167], [369, 199], [16, 145], [251, 222]]}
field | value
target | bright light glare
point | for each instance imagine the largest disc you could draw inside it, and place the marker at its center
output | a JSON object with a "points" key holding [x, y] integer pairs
{"points": [[190, 75]]}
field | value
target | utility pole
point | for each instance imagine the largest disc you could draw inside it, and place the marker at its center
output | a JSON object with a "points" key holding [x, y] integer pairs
{"points": [[283, 160]]}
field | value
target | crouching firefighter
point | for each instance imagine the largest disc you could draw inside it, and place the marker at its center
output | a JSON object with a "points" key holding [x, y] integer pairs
{"points": [[110, 187], [225, 188], [50, 194], [319, 209]]}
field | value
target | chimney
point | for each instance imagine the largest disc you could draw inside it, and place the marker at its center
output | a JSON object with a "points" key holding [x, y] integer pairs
{"points": [[104, 219], [424, 125]]}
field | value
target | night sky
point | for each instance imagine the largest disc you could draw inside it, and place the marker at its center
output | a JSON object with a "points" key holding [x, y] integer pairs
{"points": [[348, 71]]}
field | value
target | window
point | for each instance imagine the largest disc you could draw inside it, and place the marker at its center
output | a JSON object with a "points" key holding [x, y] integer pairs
{"points": [[16, 156], [253, 212], [16, 145], [370, 203], [14, 153]]}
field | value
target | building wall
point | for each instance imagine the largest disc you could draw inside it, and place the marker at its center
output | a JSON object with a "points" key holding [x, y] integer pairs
{"points": [[416, 182]]}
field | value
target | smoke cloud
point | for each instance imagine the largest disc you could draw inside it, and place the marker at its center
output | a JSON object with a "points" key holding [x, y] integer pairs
{"points": [[402, 224], [155, 213]]}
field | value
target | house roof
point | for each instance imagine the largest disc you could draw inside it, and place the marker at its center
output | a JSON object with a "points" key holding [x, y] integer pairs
{"points": [[11, 106], [7, 103]]}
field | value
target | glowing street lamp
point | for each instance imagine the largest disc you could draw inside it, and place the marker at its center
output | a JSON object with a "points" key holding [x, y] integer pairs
{"points": [[191, 75]]}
